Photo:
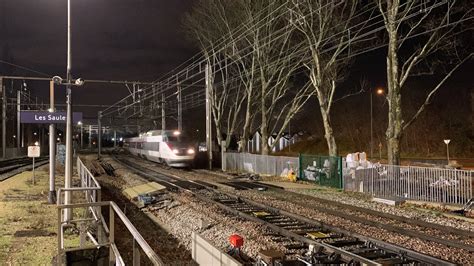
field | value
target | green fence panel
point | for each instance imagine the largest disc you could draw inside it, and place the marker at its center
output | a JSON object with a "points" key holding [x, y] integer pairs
{"points": [[323, 170]]}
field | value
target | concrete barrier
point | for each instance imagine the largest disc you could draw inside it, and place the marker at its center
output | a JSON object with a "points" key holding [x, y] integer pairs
{"points": [[206, 254]]}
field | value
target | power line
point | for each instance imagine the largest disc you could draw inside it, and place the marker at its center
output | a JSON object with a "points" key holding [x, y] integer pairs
{"points": [[147, 96], [24, 68]]}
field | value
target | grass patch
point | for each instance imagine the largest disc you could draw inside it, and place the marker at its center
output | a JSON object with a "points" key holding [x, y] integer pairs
{"points": [[27, 224]]}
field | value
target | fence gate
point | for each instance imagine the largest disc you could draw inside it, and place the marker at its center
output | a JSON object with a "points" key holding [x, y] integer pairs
{"points": [[324, 170]]}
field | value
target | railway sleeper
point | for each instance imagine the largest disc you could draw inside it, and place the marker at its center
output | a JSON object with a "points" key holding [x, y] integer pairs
{"points": [[295, 246], [344, 242]]}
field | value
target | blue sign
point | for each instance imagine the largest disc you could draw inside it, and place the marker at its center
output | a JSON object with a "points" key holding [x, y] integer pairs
{"points": [[44, 117]]}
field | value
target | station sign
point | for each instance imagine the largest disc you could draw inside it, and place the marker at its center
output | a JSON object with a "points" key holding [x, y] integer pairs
{"points": [[34, 151], [45, 117]]}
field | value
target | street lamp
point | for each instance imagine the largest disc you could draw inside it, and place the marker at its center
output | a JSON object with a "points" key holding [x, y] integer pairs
{"points": [[447, 141], [379, 91]]}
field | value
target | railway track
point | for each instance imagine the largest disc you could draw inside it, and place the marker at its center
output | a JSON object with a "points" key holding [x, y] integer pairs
{"points": [[444, 235], [11, 167], [329, 245]]}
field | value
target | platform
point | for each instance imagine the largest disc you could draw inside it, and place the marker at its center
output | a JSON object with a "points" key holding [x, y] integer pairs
{"points": [[28, 224]]}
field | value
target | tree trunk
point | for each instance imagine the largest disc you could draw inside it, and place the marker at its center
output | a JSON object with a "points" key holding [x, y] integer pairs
{"points": [[328, 133], [394, 98], [264, 131], [245, 136], [218, 135], [265, 148], [393, 149]]}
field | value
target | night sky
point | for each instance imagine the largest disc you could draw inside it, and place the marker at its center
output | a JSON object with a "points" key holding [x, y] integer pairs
{"points": [[111, 40], [137, 40]]}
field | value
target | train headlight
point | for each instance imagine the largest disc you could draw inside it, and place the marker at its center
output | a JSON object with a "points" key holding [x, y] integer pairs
{"points": [[190, 151], [175, 151]]}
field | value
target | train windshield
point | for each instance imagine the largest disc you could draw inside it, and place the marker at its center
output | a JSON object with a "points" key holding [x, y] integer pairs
{"points": [[180, 138], [173, 139]]}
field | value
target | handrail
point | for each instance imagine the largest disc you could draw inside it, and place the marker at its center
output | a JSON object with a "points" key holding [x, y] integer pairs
{"points": [[92, 191], [131, 228], [91, 176]]}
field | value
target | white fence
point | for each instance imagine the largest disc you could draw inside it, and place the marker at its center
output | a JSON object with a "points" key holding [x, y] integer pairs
{"points": [[259, 164], [416, 183]]}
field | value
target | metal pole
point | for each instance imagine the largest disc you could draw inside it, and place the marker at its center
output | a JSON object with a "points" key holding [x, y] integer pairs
{"points": [[289, 135], [115, 138], [371, 128], [99, 135], [111, 235], [33, 170], [180, 107], [23, 136], [4, 119], [90, 136], [68, 166], [52, 149], [18, 124], [163, 112], [208, 116], [81, 136], [447, 152], [223, 156]]}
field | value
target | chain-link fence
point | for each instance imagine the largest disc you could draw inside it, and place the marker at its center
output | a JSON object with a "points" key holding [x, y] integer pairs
{"points": [[415, 183], [260, 164], [324, 170]]}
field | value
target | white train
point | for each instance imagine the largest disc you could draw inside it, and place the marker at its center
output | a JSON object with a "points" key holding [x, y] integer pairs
{"points": [[167, 147]]}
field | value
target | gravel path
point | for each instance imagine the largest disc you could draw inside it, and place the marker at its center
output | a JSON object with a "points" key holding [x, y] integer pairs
{"points": [[184, 214], [441, 251], [452, 254]]}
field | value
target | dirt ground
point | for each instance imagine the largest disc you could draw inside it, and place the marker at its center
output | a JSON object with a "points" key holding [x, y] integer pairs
{"points": [[27, 222], [167, 247]]}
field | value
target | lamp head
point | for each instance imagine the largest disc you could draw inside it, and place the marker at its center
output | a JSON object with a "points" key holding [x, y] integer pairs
{"points": [[57, 80], [79, 82]]}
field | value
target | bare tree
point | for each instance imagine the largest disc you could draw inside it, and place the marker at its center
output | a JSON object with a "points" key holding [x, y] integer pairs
{"points": [[324, 25], [264, 58], [275, 59], [435, 24], [208, 22]]}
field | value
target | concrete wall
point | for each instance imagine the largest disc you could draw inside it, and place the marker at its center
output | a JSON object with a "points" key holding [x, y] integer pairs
{"points": [[206, 254]]}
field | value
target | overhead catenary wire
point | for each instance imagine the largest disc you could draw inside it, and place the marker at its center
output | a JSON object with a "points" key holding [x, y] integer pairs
{"points": [[363, 51], [366, 50], [25, 68], [214, 53], [199, 55], [265, 39]]}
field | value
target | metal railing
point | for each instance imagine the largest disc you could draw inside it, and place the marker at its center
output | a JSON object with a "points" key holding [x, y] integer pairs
{"points": [[440, 185], [94, 232], [88, 180], [259, 164]]}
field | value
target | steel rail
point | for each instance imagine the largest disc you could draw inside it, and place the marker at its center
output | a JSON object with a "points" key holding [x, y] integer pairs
{"points": [[345, 254], [21, 165], [412, 222]]}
